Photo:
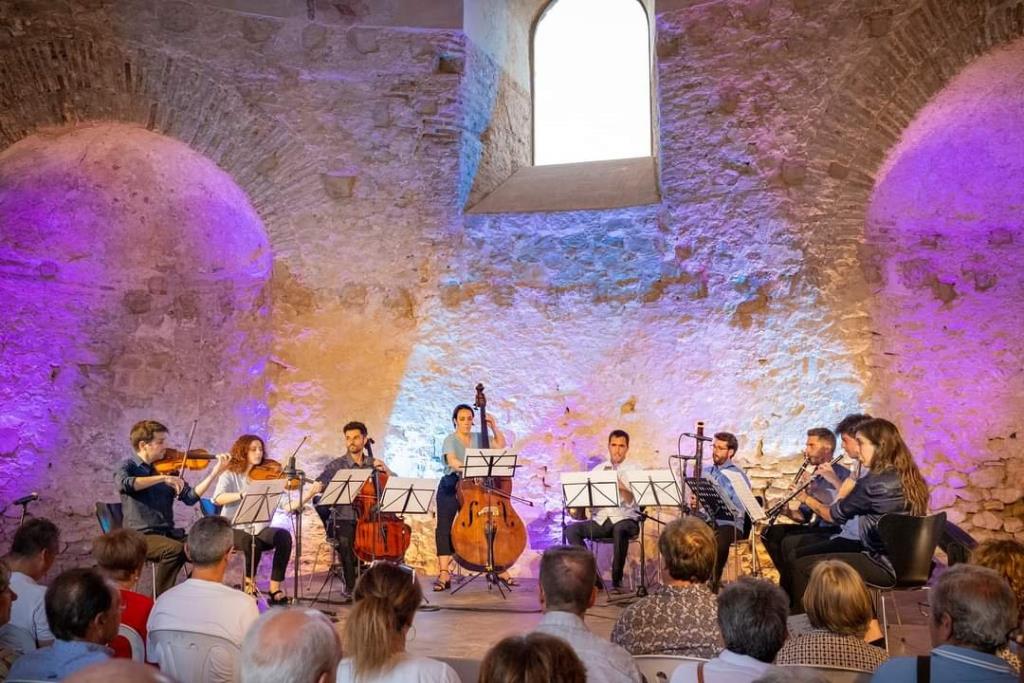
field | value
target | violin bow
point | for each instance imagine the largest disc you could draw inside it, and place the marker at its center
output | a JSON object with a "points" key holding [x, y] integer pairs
{"points": [[188, 447]]}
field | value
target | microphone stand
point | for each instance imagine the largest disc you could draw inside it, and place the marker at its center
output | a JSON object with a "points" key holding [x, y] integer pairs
{"points": [[290, 472], [24, 511]]}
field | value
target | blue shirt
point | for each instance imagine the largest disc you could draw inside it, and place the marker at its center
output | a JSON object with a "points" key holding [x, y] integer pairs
{"points": [[715, 473], [58, 661], [950, 664]]}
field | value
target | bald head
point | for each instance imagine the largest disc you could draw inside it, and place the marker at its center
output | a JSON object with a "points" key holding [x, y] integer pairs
{"points": [[121, 670], [290, 644]]}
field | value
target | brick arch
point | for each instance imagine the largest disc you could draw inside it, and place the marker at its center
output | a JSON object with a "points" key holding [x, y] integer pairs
{"points": [[873, 106], [66, 80]]}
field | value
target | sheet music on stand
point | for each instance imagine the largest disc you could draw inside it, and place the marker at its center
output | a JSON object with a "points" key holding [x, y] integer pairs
{"points": [[590, 489], [654, 488], [489, 462], [259, 501], [710, 497], [408, 496], [746, 496], [344, 487]]}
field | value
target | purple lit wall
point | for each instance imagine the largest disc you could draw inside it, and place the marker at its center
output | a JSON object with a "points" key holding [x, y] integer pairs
{"points": [[133, 279], [945, 233]]}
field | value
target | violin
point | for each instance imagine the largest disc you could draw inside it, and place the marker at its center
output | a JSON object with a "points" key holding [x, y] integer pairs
{"points": [[487, 534], [172, 462], [272, 469], [379, 535]]}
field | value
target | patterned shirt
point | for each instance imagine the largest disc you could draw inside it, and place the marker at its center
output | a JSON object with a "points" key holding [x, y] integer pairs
{"points": [[820, 647], [676, 620]]}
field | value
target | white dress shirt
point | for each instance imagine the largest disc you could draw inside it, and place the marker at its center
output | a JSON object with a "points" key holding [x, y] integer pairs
{"points": [[625, 510], [606, 662], [200, 606]]}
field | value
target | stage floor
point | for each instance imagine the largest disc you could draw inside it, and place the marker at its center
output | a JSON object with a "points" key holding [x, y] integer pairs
{"points": [[466, 624]]}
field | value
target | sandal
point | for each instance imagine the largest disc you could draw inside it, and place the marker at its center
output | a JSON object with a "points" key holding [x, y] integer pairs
{"points": [[440, 585], [277, 598]]}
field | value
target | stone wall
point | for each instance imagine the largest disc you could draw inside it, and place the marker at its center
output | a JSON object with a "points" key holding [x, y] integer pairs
{"points": [[745, 298]]}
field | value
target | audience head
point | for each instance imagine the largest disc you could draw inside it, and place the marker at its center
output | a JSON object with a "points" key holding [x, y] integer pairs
{"points": [[882, 449], [248, 449], [290, 644], [121, 555], [209, 542], [688, 549], [821, 444], [972, 607], [35, 546], [791, 674], [568, 575], [1006, 557], [846, 430], [386, 598], [837, 600], [752, 616], [533, 658], [723, 447], [81, 604], [120, 670], [7, 596]]}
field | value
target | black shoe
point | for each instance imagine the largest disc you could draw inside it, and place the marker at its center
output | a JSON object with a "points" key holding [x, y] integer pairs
{"points": [[278, 598], [617, 590]]}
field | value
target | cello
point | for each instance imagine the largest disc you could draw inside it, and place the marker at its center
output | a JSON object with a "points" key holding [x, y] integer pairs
{"points": [[487, 535], [379, 535]]}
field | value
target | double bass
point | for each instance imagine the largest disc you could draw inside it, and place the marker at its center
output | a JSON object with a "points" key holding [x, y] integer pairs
{"points": [[487, 534], [379, 535]]}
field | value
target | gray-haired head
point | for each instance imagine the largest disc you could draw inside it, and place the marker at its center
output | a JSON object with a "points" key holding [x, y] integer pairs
{"points": [[791, 674], [972, 607], [290, 644], [209, 540], [752, 617], [567, 577]]}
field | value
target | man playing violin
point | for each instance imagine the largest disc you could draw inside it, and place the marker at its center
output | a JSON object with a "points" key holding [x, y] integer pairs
{"points": [[340, 520], [147, 499]]}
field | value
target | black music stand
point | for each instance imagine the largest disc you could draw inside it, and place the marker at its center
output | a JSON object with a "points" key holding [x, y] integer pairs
{"points": [[590, 489], [408, 496], [340, 490], [487, 463], [651, 488], [257, 506]]}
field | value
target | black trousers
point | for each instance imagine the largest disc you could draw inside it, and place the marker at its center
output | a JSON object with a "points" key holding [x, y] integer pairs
{"points": [[447, 511], [783, 543], [344, 531], [620, 532], [168, 554], [871, 571], [725, 535], [280, 540]]}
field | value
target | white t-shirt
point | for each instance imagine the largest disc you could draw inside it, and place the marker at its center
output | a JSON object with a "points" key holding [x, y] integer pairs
{"points": [[410, 669], [200, 606], [28, 612]]}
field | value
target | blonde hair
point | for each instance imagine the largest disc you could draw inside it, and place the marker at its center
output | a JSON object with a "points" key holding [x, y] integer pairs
{"points": [[688, 548], [837, 600], [1006, 557], [386, 599]]}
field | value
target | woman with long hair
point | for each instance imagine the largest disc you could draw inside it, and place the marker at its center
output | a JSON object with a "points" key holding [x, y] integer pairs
{"points": [[386, 598], [453, 454], [247, 452], [893, 485], [533, 658]]}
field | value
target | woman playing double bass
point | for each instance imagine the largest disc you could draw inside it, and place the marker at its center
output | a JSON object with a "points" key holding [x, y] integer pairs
{"points": [[453, 454]]}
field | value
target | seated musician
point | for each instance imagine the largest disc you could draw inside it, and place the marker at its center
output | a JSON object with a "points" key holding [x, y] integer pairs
{"points": [[728, 527], [147, 499], [454, 454], [340, 520], [809, 528], [619, 524], [247, 452]]}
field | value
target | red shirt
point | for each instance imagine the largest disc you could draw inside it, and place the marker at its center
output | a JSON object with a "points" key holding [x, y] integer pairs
{"points": [[135, 609]]}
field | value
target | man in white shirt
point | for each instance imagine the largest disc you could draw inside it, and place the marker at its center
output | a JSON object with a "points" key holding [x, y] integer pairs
{"points": [[35, 547], [752, 617], [567, 591], [621, 524], [203, 604]]}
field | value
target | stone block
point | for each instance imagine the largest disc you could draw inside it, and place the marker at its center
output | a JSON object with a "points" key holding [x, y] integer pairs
{"points": [[1007, 495], [47, 270], [177, 16], [9, 439], [364, 40], [314, 37], [138, 301], [878, 23], [942, 498], [337, 185], [984, 281], [793, 172], [944, 290], [987, 520], [988, 477], [451, 64], [1000, 237], [838, 171], [1013, 525], [258, 30], [157, 285]]}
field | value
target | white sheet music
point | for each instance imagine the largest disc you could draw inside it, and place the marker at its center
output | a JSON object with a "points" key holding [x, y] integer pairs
{"points": [[746, 496]]}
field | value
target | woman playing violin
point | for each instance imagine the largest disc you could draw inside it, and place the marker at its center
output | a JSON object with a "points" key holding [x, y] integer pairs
{"points": [[454, 455], [147, 498], [248, 453]]}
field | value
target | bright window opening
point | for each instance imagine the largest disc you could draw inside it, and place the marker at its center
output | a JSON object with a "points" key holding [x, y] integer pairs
{"points": [[592, 82]]}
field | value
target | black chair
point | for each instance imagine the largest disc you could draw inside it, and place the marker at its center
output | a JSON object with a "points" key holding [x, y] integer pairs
{"points": [[910, 544], [111, 517], [957, 544]]}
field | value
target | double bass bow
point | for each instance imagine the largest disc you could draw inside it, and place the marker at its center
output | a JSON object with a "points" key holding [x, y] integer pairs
{"points": [[488, 535]]}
